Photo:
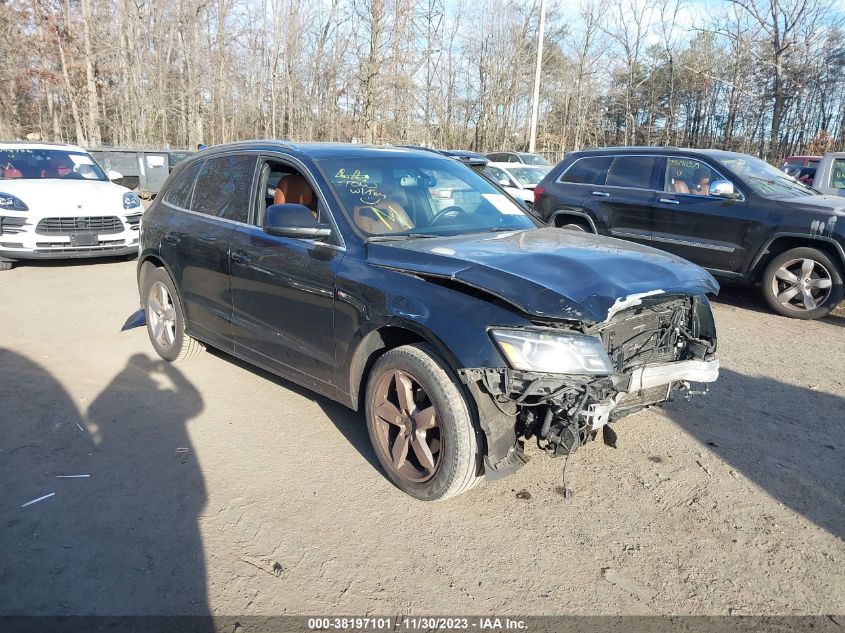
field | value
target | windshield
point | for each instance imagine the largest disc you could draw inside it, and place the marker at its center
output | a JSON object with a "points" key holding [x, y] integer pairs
{"points": [[533, 159], [36, 164], [766, 180], [528, 176], [419, 196]]}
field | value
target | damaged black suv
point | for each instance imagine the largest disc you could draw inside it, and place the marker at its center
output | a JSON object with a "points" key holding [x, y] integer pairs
{"points": [[403, 283]]}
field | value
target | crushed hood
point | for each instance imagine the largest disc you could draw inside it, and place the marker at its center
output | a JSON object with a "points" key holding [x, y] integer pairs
{"points": [[549, 273]]}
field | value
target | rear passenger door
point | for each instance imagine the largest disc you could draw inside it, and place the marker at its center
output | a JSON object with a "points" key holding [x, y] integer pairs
{"points": [[707, 230], [208, 201], [624, 202]]}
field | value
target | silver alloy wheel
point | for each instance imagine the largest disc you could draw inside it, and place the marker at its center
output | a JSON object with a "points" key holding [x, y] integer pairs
{"points": [[162, 314], [802, 284]]}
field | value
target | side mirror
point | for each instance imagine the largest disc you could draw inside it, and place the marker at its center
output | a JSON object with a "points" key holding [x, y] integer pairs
{"points": [[293, 220], [722, 189], [114, 175]]}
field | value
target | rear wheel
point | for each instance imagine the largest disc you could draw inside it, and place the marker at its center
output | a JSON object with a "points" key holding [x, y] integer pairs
{"points": [[803, 283], [420, 425], [166, 321], [5, 264]]}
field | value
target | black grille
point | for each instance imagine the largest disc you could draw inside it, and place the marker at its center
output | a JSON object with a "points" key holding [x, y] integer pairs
{"points": [[67, 226], [133, 220], [645, 334]]}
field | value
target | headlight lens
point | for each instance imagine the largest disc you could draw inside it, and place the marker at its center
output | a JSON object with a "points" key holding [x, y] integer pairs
{"points": [[8, 202], [131, 200], [553, 353]]}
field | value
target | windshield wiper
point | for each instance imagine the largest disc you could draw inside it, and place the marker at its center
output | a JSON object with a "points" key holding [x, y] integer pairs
{"points": [[399, 236]]}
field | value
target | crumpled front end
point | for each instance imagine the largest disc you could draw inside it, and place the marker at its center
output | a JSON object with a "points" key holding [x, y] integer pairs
{"points": [[656, 348]]}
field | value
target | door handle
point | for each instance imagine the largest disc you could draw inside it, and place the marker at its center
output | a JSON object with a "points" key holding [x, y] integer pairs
{"points": [[603, 194], [668, 201], [239, 258], [172, 238]]}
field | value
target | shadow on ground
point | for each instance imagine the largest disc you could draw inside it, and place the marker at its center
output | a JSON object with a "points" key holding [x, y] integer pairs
{"points": [[787, 439], [124, 540]]}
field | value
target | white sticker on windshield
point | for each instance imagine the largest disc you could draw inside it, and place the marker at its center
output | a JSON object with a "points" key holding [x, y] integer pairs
{"points": [[504, 205], [81, 159]]}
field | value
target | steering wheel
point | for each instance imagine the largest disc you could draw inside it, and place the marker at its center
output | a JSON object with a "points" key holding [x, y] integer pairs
{"points": [[448, 211], [72, 175]]}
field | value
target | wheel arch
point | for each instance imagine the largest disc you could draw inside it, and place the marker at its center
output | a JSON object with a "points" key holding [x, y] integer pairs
{"points": [[785, 241], [380, 340], [559, 217]]}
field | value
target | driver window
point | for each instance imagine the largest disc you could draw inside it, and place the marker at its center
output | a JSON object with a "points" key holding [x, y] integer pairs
{"points": [[687, 175], [280, 183]]}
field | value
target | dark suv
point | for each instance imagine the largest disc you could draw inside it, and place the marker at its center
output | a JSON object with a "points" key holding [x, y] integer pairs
{"points": [[733, 214], [461, 330]]}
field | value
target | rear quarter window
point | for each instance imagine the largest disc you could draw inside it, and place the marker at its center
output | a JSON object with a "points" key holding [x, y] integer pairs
{"points": [[180, 190], [587, 171]]}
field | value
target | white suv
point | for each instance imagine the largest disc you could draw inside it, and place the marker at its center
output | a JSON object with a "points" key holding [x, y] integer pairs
{"points": [[57, 202]]}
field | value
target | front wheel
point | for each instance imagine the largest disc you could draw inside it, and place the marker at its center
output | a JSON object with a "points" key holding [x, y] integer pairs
{"points": [[420, 425], [5, 264], [803, 283], [165, 319]]}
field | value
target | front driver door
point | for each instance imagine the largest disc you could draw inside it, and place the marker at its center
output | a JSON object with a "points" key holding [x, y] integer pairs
{"points": [[707, 230], [283, 293]]}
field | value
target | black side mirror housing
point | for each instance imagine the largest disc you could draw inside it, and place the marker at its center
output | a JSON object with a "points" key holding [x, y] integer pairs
{"points": [[293, 220]]}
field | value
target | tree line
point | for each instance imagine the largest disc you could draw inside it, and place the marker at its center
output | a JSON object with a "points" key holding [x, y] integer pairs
{"points": [[760, 76]]}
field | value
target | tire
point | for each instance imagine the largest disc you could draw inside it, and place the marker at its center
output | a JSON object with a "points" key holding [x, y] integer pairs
{"points": [[166, 321], [6, 264], [440, 411], [574, 227], [785, 282]]}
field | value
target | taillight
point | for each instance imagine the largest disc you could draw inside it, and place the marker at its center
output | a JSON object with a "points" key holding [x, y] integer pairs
{"points": [[539, 190]]}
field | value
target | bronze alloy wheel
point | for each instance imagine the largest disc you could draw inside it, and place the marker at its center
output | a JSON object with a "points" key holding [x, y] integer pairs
{"points": [[407, 427]]}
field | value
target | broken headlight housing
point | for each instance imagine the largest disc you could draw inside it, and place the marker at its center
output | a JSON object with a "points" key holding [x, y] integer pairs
{"points": [[553, 352]]}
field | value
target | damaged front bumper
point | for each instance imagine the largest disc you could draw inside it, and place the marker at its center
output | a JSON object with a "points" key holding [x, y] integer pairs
{"points": [[655, 348], [564, 412]]}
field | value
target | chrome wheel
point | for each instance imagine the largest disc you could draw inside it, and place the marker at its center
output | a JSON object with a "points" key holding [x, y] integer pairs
{"points": [[407, 427], [802, 284], [162, 314]]}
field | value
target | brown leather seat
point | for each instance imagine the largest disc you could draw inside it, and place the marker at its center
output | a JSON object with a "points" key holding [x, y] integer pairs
{"points": [[679, 186], [294, 189], [386, 216]]}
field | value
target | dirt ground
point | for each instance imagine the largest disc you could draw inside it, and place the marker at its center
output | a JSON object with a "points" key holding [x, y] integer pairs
{"points": [[219, 489]]}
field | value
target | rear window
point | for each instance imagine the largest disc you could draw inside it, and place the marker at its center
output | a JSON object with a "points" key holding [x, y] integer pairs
{"points": [[837, 174], [632, 171], [223, 187], [588, 171], [179, 193]]}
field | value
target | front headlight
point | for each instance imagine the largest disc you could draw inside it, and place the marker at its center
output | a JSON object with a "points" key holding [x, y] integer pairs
{"points": [[553, 352], [131, 200], [8, 202]]}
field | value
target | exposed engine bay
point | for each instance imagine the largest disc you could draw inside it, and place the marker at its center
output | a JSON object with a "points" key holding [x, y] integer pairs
{"points": [[658, 348]]}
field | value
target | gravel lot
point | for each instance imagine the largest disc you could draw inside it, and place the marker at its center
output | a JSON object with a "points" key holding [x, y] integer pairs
{"points": [[217, 488]]}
